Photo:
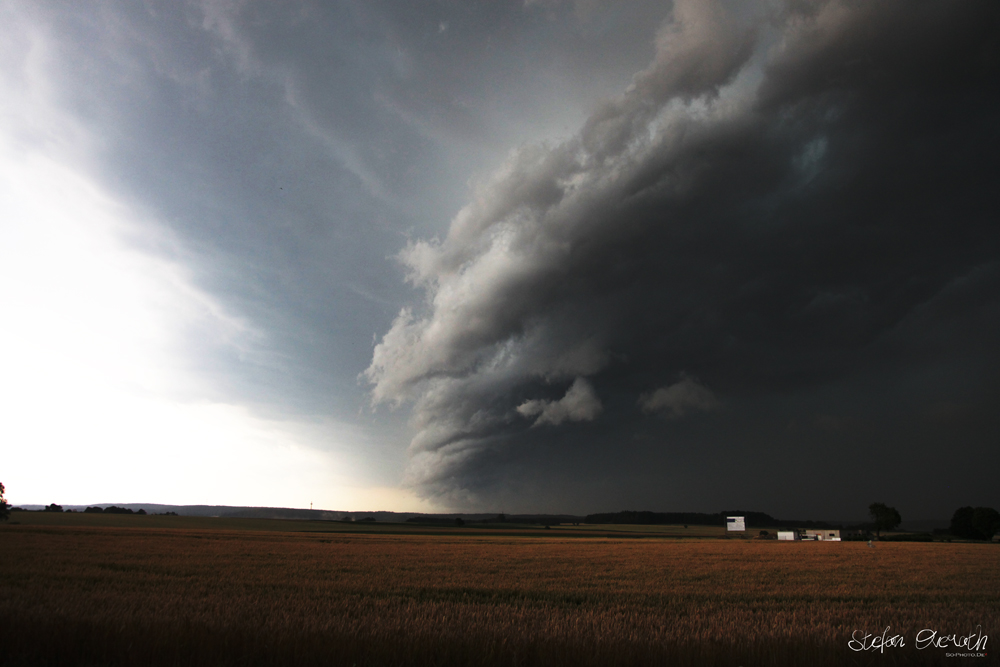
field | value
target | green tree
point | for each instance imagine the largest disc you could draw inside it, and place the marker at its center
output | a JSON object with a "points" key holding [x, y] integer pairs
{"points": [[4, 507], [884, 517]]}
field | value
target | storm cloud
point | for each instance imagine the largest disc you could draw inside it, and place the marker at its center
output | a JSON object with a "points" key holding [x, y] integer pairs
{"points": [[674, 400], [579, 404], [561, 255], [792, 203]]}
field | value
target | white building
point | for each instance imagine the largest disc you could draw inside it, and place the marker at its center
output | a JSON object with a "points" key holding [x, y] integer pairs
{"points": [[812, 535], [822, 535]]}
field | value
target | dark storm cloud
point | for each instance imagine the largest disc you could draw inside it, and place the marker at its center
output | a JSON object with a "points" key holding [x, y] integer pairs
{"points": [[676, 399], [798, 209], [579, 404], [281, 154], [289, 149]]}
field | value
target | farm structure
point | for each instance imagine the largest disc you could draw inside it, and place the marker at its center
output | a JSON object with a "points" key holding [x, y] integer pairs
{"points": [[822, 535], [809, 535]]}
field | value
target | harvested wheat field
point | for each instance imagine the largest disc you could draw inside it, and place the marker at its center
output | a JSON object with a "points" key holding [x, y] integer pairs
{"points": [[150, 596]]}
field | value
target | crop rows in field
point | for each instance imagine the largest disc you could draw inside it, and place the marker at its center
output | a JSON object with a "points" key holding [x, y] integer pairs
{"points": [[121, 596]]}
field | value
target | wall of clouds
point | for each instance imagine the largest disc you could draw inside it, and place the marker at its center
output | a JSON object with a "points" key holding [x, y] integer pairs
{"points": [[784, 202]]}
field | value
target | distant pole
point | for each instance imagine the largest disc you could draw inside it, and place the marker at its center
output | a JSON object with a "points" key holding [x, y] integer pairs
{"points": [[310, 507]]}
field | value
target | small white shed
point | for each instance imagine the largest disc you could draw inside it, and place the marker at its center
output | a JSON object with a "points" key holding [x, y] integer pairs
{"points": [[788, 535]]}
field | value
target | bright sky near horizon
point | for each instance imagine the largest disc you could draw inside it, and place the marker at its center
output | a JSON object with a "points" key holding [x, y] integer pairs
{"points": [[550, 256], [100, 401]]}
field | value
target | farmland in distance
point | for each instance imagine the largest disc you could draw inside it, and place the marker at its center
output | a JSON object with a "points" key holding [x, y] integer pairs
{"points": [[142, 594]]}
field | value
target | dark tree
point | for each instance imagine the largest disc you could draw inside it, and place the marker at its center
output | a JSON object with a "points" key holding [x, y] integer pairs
{"points": [[4, 507], [53, 508], [884, 517], [961, 522], [459, 521], [986, 522], [975, 523]]}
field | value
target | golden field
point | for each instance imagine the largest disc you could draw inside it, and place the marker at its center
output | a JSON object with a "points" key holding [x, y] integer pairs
{"points": [[142, 595]]}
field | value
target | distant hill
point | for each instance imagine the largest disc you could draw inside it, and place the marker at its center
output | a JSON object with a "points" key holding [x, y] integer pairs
{"points": [[753, 519], [230, 511], [239, 512]]}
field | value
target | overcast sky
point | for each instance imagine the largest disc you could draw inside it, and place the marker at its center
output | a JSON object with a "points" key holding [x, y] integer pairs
{"points": [[542, 256]]}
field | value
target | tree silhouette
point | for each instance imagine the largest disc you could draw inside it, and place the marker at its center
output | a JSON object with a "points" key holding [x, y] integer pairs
{"points": [[4, 507], [884, 517], [975, 523]]}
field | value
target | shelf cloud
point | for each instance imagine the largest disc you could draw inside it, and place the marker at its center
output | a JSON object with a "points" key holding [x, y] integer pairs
{"points": [[552, 256], [784, 199]]}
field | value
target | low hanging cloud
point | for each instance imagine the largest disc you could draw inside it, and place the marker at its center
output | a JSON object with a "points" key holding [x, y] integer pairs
{"points": [[579, 404], [761, 206], [675, 400]]}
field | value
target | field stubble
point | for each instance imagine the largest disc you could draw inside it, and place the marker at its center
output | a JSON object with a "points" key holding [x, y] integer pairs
{"points": [[118, 596]]}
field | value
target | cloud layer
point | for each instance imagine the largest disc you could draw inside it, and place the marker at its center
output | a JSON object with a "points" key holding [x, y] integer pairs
{"points": [[579, 404], [781, 201], [675, 400]]}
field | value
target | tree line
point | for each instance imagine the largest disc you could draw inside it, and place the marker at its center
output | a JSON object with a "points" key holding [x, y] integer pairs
{"points": [[755, 519], [971, 523], [6, 509]]}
